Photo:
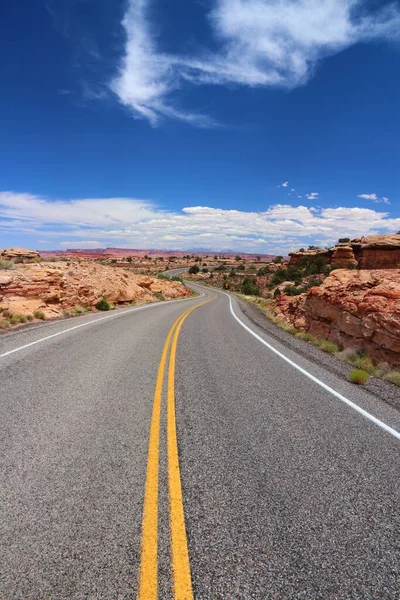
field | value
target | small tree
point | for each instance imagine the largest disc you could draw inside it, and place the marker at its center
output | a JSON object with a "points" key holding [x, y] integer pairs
{"points": [[194, 269], [238, 258], [278, 260], [343, 240]]}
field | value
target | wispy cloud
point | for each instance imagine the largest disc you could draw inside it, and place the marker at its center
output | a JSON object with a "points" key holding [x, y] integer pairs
{"points": [[374, 198], [259, 43], [312, 196], [137, 223]]}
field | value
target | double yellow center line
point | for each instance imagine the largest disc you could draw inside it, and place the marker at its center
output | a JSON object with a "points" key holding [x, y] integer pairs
{"points": [[148, 574]]}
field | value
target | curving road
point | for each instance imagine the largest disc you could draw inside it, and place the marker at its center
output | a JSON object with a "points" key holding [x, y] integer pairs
{"points": [[280, 480]]}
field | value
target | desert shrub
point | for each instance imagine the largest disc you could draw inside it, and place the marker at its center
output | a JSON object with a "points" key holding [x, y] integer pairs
{"points": [[221, 268], [329, 347], [22, 318], [6, 265], [102, 304], [194, 269], [7, 314], [250, 287], [232, 273], [306, 336], [4, 323], [162, 276], [343, 240], [263, 271], [278, 260], [211, 275], [362, 361], [292, 290], [277, 293], [358, 376], [159, 296], [177, 278], [204, 270], [38, 314], [393, 377], [29, 317]]}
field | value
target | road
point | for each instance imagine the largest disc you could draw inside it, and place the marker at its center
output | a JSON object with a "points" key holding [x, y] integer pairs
{"points": [[242, 476]]}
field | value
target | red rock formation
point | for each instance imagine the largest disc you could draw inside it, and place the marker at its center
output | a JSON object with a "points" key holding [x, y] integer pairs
{"points": [[373, 252], [54, 287], [357, 309], [19, 253]]}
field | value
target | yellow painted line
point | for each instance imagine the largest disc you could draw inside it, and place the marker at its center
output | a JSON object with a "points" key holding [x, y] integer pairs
{"points": [[182, 581], [148, 573]]}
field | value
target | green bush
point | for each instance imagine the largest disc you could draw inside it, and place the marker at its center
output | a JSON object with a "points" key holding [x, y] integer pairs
{"points": [[4, 323], [102, 304], [38, 314], [159, 296], [194, 269], [250, 287], [162, 276], [343, 240], [358, 376]]}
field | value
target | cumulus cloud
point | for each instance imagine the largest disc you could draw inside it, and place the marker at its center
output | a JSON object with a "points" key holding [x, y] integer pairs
{"points": [[312, 196], [258, 43], [130, 222]]}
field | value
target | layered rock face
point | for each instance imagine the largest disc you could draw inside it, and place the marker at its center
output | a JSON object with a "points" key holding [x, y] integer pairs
{"points": [[373, 252], [357, 309], [19, 253], [54, 287]]}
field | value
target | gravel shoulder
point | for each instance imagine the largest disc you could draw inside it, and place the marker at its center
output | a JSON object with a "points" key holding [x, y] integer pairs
{"points": [[380, 388]]}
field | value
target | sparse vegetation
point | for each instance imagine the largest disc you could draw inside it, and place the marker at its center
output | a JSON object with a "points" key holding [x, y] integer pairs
{"points": [[159, 296], [393, 377], [38, 314], [328, 347], [358, 376], [6, 265], [4, 323]]}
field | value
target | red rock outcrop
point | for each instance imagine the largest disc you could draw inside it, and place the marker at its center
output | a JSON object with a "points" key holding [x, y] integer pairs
{"points": [[357, 309], [54, 287], [373, 252], [19, 253]]}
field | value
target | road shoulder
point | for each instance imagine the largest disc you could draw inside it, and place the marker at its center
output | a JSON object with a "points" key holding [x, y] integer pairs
{"points": [[380, 388]]}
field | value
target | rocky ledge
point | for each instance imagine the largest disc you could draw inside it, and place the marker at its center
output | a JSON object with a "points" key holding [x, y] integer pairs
{"points": [[373, 252]]}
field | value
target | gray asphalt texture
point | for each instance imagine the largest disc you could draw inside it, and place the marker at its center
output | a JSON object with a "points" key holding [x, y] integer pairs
{"points": [[288, 493]]}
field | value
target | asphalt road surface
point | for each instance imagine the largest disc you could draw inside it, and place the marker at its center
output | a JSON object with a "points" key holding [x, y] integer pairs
{"points": [[242, 476]]}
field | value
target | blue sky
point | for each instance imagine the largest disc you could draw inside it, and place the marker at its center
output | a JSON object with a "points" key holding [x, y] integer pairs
{"points": [[258, 125]]}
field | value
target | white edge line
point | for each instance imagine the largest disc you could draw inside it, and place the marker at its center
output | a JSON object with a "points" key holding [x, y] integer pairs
{"points": [[326, 387], [114, 315]]}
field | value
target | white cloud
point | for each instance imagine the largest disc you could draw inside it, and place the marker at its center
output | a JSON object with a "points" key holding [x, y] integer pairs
{"points": [[285, 184], [258, 43], [312, 196], [373, 197], [82, 244], [137, 223]]}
